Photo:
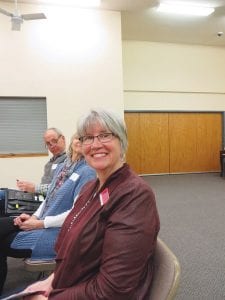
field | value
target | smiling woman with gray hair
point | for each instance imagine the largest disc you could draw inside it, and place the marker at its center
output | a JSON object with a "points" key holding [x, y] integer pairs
{"points": [[106, 246]]}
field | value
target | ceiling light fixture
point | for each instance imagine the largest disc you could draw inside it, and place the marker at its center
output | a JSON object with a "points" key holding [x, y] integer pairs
{"points": [[185, 8]]}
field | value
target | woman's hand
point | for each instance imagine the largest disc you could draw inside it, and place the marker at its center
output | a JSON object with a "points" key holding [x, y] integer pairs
{"points": [[27, 222], [35, 297], [32, 224], [44, 287], [21, 218]]}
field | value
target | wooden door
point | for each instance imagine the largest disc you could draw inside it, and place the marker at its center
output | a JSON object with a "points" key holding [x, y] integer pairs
{"points": [[133, 156], [148, 150], [183, 141], [195, 142], [174, 142]]}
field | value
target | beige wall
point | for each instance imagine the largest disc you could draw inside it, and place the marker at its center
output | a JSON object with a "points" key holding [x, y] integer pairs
{"points": [[74, 58], [173, 77]]}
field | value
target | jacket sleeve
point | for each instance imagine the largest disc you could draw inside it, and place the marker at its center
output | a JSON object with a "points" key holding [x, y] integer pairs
{"points": [[55, 221], [38, 211]]}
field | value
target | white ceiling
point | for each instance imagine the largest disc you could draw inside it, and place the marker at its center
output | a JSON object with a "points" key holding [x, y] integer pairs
{"points": [[152, 26], [140, 21]]}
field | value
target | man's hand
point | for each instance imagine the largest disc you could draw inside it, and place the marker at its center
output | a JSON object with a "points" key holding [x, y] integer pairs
{"points": [[25, 186]]}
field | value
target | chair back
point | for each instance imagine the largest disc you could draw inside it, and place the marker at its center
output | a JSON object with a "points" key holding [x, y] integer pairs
{"points": [[166, 273], [42, 267]]}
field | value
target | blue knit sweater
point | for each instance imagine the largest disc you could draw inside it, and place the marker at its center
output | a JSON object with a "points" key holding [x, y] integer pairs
{"points": [[42, 241]]}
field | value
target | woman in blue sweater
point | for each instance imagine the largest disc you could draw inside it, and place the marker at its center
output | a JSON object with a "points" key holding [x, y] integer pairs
{"points": [[19, 237]]}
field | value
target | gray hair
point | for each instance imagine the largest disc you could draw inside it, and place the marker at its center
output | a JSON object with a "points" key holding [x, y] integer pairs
{"points": [[57, 131], [107, 120]]}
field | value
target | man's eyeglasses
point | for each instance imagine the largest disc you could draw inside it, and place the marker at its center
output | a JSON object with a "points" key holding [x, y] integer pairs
{"points": [[52, 143], [102, 138]]}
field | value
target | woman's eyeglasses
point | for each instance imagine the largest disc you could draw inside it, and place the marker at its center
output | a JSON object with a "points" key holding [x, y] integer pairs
{"points": [[102, 138]]}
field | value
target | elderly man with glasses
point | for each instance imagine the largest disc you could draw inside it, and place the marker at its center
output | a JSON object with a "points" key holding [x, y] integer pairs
{"points": [[55, 143]]}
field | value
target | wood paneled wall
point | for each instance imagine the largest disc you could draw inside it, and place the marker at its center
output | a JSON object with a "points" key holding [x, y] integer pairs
{"points": [[174, 142]]}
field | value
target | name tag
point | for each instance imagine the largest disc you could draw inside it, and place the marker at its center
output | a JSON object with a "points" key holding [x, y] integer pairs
{"points": [[54, 166], [104, 196], [74, 176]]}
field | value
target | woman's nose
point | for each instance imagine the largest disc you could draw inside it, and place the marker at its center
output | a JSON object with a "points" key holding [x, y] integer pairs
{"points": [[96, 141]]}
